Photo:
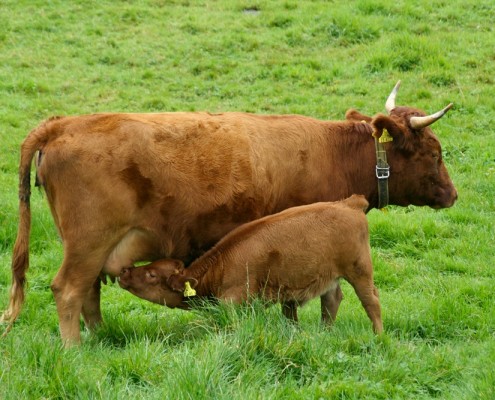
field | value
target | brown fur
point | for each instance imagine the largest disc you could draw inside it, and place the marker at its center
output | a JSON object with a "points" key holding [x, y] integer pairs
{"points": [[129, 187], [291, 257]]}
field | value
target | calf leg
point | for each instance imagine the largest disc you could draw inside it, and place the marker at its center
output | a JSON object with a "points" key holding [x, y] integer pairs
{"points": [[233, 295], [289, 309], [330, 302], [368, 294]]}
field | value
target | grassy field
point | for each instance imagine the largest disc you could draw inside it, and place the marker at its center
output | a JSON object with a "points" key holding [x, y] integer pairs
{"points": [[434, 269]]}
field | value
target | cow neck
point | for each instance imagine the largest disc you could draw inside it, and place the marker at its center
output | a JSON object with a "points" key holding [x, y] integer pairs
{"points": [[382, 169]]}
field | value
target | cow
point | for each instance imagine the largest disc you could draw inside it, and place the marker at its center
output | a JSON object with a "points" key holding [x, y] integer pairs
{"points": [[290, 257], [126, 187]]}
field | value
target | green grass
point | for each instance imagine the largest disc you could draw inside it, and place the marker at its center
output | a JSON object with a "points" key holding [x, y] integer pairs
{"points": [[434, 269]]}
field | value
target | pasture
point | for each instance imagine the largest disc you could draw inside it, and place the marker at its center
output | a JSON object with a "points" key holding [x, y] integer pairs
{"points": [[434, 269]]}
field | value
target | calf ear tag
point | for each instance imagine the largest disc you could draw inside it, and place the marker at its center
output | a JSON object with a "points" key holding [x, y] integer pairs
{"points": [[385, 137], [188, 290]]}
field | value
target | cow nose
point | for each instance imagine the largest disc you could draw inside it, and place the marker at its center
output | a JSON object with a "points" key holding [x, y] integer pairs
{"points": [[125, 272]]}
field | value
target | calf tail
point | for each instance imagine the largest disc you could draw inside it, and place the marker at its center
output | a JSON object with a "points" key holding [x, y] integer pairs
{"points": [[20, 258]]}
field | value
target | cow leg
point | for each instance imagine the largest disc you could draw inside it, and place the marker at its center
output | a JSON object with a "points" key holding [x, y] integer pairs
{"points": [[368, 294], [330, 302], [289, 309], [91, 310], [71, 287]]}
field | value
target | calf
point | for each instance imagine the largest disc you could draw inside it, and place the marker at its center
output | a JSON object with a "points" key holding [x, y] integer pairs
{"points": [[291, 257]]}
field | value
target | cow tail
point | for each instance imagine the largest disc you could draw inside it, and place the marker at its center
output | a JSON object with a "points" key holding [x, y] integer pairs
{"points": [[20, 258]]}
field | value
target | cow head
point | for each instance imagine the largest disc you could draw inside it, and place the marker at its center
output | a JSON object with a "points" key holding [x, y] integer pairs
{"points": [[150, 282], [418, 174]]}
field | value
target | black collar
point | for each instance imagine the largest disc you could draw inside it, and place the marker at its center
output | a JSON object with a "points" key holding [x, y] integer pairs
{"points": [[382, 168]]}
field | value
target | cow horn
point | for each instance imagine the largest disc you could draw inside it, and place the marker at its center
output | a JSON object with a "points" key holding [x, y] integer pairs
{"points": [[390, 104], [423, 122]]}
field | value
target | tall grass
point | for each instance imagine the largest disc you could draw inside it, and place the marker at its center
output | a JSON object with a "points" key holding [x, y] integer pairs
{"points": [[434, 269]]}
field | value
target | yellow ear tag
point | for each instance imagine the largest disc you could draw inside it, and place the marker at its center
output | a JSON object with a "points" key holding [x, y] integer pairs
{"points": [[188, 290], [385, 137]]}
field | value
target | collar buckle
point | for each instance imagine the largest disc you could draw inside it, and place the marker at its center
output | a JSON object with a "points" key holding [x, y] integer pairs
{"points": [[383, 172]]}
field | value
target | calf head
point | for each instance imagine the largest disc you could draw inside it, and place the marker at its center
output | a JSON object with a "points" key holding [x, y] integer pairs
{"points": [[418, 174], [151, 282]]}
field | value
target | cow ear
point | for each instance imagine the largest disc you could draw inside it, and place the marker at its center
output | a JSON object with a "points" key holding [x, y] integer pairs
{"points": [[385, 126], [354, 115]]}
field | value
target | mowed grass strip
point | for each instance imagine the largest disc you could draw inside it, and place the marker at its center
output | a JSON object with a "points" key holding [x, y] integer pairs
{"points": [[434, 269]]}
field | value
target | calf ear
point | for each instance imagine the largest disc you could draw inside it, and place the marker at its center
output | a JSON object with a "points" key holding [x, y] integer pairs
{"points": [[192, 281], [354, 115], [385, 126], [177, 282], [179, 266]]}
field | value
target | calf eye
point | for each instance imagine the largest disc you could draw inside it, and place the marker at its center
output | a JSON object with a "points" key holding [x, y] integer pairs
{"points": [[150, 275]]}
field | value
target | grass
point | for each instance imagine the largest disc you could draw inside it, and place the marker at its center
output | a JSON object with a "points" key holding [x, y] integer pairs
{"points": [[434, 269]]}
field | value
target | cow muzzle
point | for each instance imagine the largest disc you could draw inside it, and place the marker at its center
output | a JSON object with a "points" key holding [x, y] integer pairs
{"points": [[452, 199], [446, 198]]}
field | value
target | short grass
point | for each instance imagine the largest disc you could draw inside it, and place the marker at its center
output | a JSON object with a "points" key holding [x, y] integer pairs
{"points": [[434, 269]]}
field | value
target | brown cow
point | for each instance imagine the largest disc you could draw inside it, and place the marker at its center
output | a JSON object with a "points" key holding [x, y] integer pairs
{"points": [[291, 257], [124, 188]]}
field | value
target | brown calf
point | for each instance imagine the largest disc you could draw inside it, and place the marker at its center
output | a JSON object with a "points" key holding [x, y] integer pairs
{"points": [[291, 257]]}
